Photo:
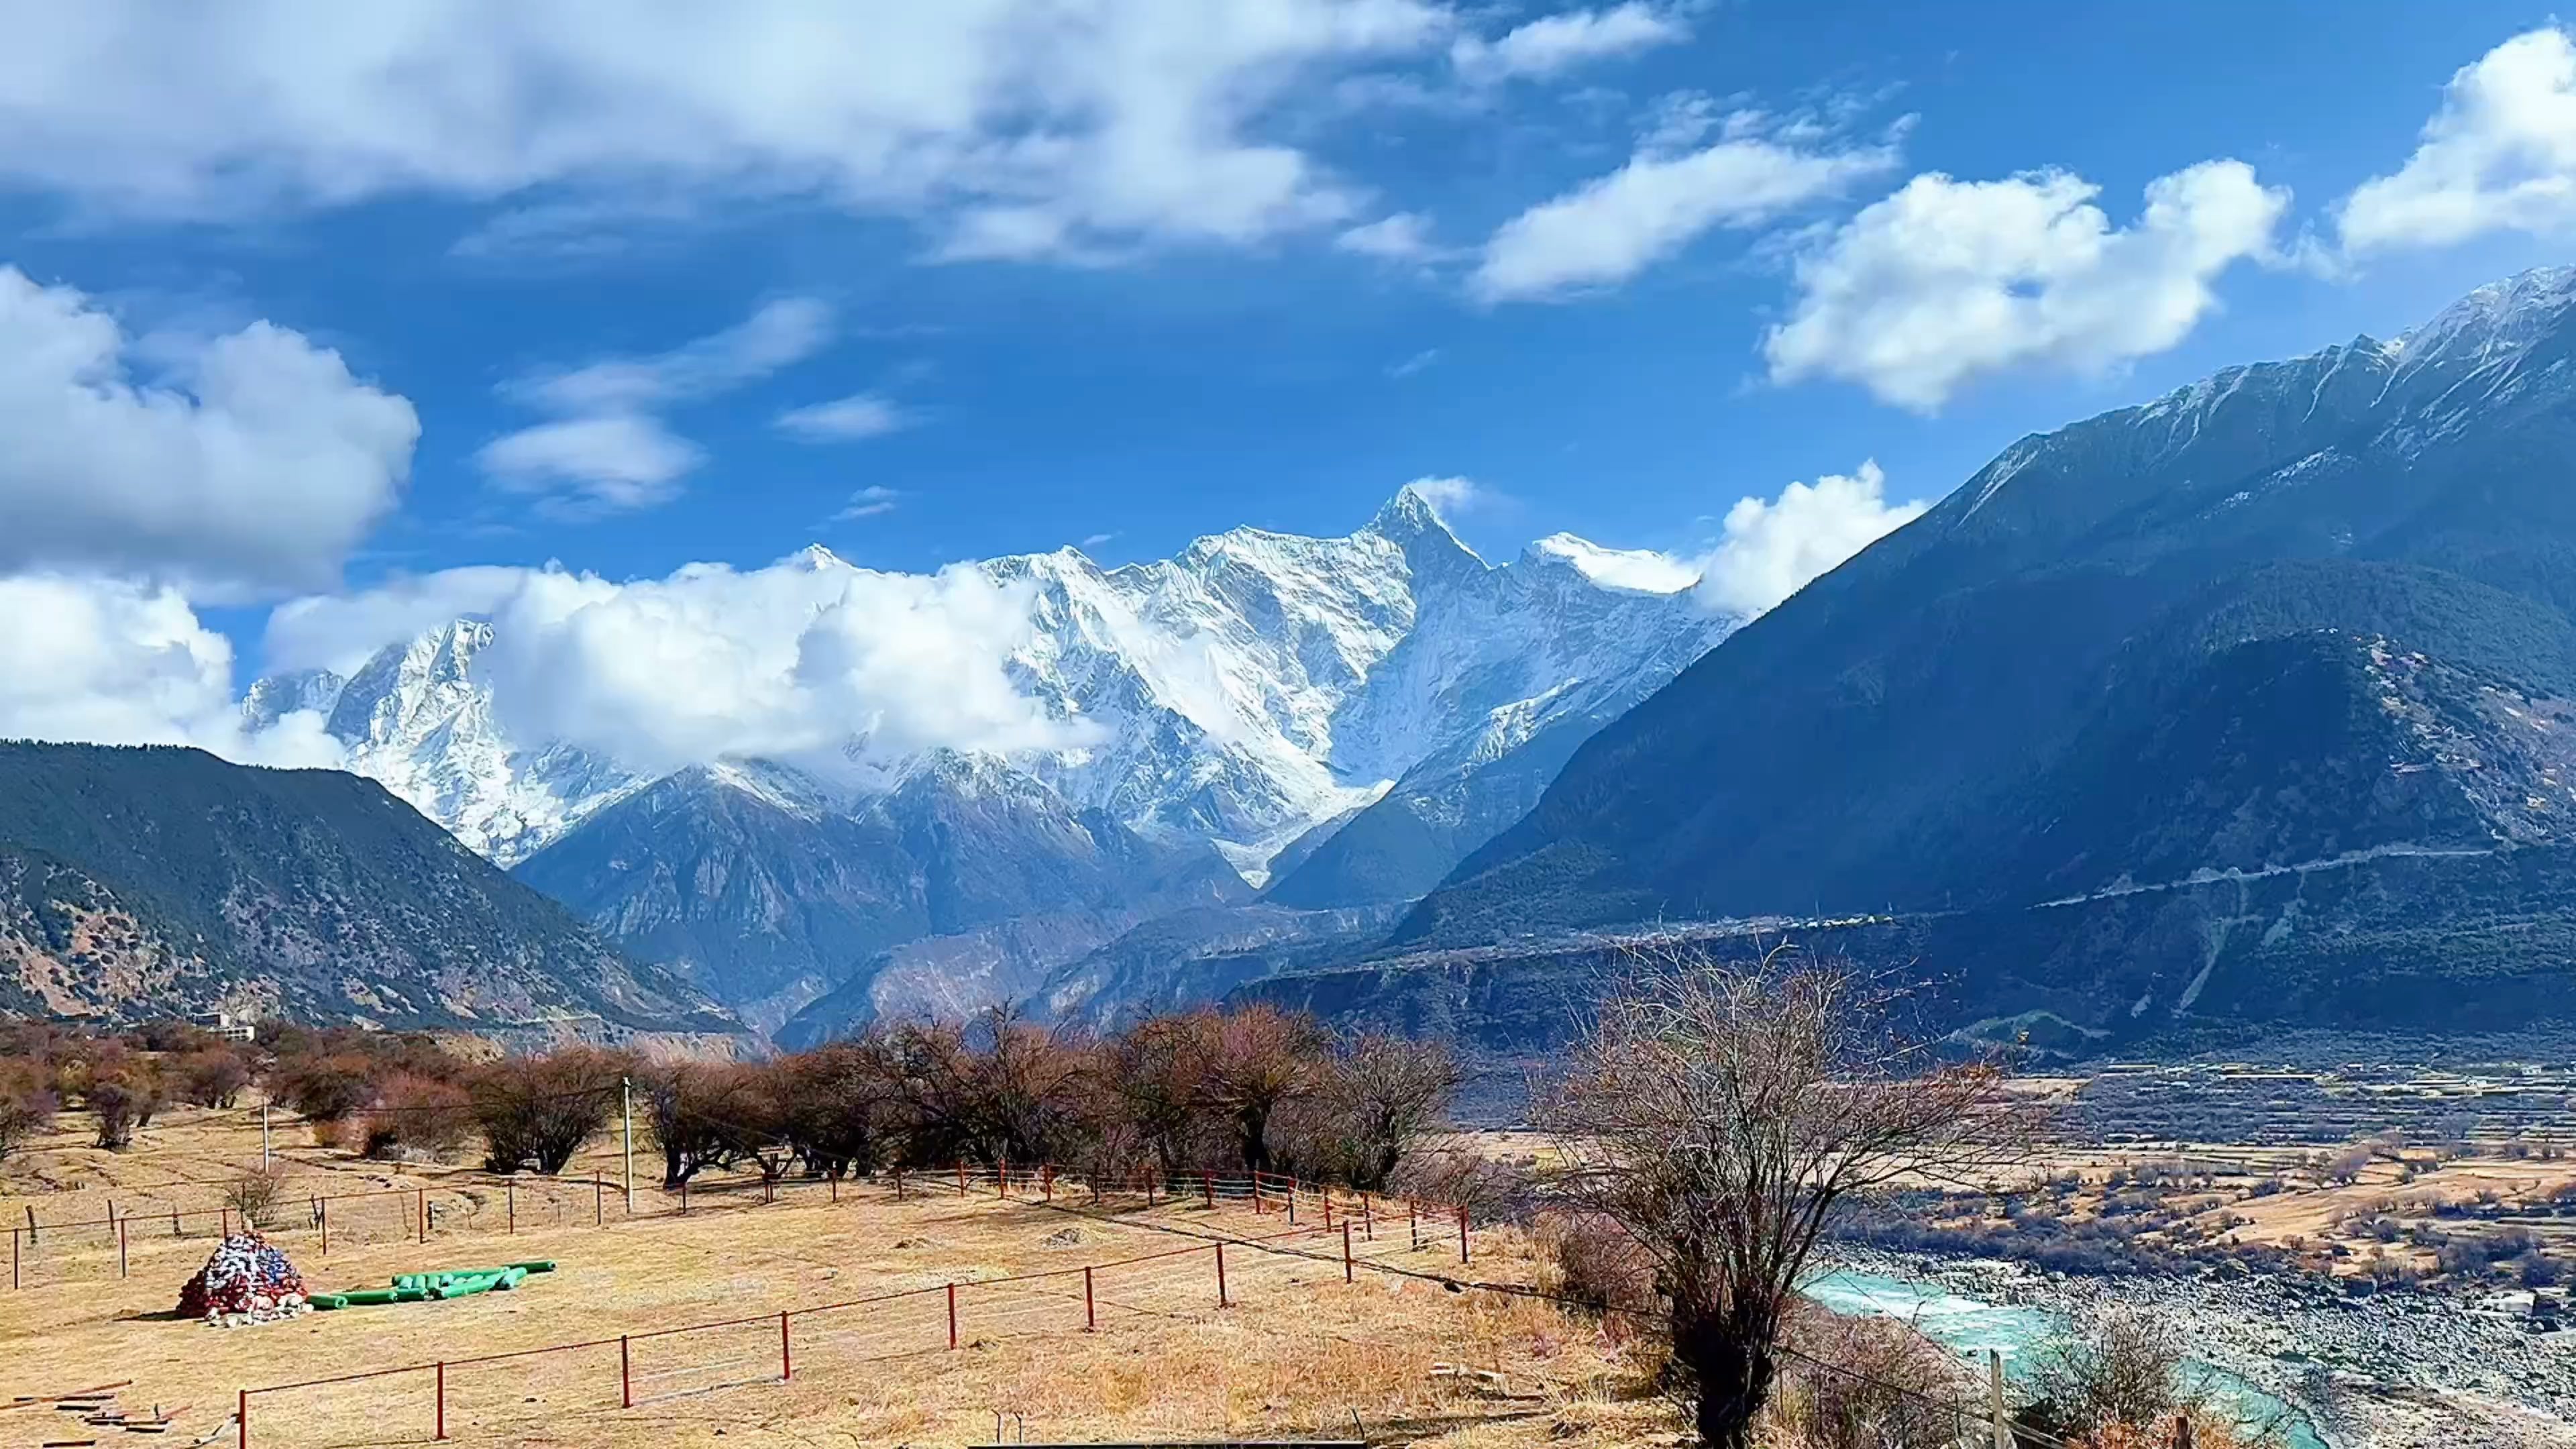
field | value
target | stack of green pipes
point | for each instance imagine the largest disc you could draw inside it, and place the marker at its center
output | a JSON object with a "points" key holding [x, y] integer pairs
{"points": [[425, 1287]]}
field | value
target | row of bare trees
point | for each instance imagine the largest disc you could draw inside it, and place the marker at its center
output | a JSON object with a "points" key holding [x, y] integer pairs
{"points": [[1253, 1088]]}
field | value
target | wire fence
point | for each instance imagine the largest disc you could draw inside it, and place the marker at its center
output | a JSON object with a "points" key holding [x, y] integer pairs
{"points": [[1291, 1233]]}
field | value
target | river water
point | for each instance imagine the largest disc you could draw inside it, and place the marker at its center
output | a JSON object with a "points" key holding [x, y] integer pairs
{"points": [[1970, 1328]]}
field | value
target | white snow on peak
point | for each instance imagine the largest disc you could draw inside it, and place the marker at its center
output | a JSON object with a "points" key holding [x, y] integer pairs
{"points": [[1641, 570], [1246, 688]]}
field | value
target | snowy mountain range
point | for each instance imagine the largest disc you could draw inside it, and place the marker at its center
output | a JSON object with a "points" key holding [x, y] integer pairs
{"points": [[1257, 691]]}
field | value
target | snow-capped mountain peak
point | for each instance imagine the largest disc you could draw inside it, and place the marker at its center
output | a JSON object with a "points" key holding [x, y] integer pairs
{"points": [[1235, 694]]}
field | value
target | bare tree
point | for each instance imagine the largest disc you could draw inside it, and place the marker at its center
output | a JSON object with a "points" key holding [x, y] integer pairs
{"points": [[538, 1111], [1390, 1093], [1258, 1059], [1723, 1113], [1156, 1071], [698, 1114]]}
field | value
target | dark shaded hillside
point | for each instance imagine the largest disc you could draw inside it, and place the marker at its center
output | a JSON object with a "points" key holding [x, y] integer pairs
{"points": [[146, 881]]}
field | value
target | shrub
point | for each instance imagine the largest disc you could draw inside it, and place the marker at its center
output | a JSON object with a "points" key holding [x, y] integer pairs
{"points": [[1597, 1263], [1865, 1383], [417, 1114], [26, 1105], [118, 1106], [211, 1078], [254, 1194], [323, 1088]]}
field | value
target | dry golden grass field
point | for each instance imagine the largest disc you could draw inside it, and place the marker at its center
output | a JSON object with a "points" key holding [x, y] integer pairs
{"points": [[1299, 1352]]}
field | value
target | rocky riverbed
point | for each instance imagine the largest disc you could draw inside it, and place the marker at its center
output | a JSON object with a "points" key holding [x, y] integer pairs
{"points": [[2402, 1370]]}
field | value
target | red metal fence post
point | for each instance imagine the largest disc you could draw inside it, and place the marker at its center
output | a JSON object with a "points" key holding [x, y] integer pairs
{"points": [[1149, 1187], [1220, 1277], [1292, 1202], [1462, 1233], [1046, 1182], [1090, 1315], [1368, 1219], [325, 1215], [1207, 1185], [1328, 1208], [13, 1260], [420, 1205], [625, 1375], [241, 1419], [442, 1399], [1256, 1193], [1346, 1251], [1413, 1221], [224, 1222], [786, 1363], [511, 1190], [1002, 1175], [120, 1247], [952, 1315], [684, 1197]]}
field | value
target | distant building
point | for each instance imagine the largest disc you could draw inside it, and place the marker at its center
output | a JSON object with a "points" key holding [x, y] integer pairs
{"points": [[222, 1024]]}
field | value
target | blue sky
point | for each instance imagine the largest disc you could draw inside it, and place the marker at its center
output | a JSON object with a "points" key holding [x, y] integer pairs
{"points": [[1110, 288]]}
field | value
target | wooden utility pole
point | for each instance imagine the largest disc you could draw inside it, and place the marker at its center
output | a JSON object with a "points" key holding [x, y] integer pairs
{"points": [[1995, 1397], [626, 1119]]}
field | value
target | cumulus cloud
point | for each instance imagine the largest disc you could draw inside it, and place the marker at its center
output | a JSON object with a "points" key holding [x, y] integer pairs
{"points": [[612, 452], [2500, 155], [846, 419], [1947, 280], [1041, 124], [609, 463], [121, 663], [339, 631], [1613, 227], [1552, 44], [250, 461], [1402, 237], [810, 661], [1769, 550]]}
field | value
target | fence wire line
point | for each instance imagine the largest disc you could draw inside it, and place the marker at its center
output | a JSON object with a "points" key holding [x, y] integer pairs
{"points": [[1257, 1187]]}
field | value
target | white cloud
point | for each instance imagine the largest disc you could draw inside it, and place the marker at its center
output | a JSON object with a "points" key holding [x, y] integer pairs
{"points": [[1552, 44], [1402, 237], [121, 663], [860, 415], [1450, 497], [253, 461], [612, 452], [1418, 361], [2500, 155], [611, 463], [1947, 280], [339, 632], [1770, 550], [1612, 227], [791, 662], [779, 334], [867, 503], [1060, 126]]}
